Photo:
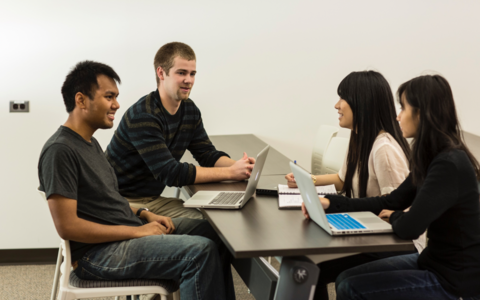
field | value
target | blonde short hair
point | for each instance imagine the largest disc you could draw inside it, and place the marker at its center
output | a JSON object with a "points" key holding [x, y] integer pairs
{"points": [[167, 53]]}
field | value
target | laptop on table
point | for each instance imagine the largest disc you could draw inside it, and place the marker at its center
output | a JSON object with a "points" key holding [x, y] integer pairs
{"points": [[339, 223], [230, 200]]}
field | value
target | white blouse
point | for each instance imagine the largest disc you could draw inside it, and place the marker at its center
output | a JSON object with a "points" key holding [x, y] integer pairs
{"points": [[387, 167]]}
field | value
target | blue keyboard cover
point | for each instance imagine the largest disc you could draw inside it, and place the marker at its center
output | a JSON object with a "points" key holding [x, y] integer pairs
{"points": [[344, 221]]}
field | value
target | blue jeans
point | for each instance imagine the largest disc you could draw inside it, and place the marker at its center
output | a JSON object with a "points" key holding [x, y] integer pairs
{"points": [[391, 278], [329, 270], [194, 256]]}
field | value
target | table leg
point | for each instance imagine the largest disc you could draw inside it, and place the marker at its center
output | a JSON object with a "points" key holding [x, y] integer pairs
{"points": [[258, 275], [298, 279]]}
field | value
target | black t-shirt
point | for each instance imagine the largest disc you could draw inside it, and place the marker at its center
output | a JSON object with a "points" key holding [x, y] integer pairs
{"points": [[447, 204], [74, 168]]}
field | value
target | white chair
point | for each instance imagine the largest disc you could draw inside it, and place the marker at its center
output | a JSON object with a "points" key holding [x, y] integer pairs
{"points": [[334, 155], [177, 192], [72, 287], [324, 134]]}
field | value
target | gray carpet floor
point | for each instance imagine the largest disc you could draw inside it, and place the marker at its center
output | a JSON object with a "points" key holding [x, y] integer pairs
{"points": [[32, 282]]}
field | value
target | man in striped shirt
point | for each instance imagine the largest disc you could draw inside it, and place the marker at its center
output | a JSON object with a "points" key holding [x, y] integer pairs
{"points": [[156, 131]]}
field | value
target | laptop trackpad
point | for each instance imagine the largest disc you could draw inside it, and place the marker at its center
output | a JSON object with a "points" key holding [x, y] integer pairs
{"points": [[372, 222], [204, 195]]}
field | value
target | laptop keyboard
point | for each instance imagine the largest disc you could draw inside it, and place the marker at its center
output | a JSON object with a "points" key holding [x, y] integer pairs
{"points": [[344, 221], [227, 198]]}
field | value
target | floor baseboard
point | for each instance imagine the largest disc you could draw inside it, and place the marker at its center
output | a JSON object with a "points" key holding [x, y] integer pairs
{"points": [[28, 256]]}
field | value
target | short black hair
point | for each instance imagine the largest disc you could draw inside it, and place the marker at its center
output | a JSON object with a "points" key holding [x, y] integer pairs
{"points": [[83, 78]]}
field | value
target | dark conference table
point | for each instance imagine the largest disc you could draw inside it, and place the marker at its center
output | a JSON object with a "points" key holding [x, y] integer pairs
{"points": [[261, 229]]}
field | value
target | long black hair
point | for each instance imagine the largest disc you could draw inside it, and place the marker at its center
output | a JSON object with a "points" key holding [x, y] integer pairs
{"points": [[371, 100], [431, 99]]}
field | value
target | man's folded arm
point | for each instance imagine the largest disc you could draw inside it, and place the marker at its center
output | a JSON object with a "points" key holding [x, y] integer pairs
{"points": [[70, 227], [212, 174], [223, 162], [221, 172]]}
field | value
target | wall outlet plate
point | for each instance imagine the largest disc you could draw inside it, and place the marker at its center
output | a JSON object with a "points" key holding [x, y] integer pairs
{"points": [[20, 106]]}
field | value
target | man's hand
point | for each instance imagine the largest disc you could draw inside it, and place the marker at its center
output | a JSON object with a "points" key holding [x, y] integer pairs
{"points": [[291, 180], [152, 228], [242, 168], [385, 215], [165, 221]]}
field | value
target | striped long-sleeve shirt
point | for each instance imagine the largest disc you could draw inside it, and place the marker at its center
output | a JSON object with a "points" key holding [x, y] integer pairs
{"points": [[149, 142]]}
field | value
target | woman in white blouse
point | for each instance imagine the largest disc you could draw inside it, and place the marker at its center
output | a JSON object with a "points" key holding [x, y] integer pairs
{"points": [[377, 157]]}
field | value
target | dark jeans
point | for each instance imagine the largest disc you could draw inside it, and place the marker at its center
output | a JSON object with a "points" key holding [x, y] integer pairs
{"points": [[329, 270], [194, 257], [391, 278]]}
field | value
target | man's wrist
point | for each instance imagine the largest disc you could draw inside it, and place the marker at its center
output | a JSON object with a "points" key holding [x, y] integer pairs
{"points": [[142, 212], [229, 173]]}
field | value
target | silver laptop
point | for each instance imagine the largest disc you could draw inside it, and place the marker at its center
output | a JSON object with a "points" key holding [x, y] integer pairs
{"points": [[230, 200], [339, 223]]}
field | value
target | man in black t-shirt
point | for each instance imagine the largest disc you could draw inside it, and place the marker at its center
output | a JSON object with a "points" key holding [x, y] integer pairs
{"points": [[109, 239]]}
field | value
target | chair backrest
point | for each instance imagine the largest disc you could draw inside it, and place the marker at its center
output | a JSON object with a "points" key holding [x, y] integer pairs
{"points": [[324, 134], [66, 266], [334, 156], [42, 194], [67, 259]]}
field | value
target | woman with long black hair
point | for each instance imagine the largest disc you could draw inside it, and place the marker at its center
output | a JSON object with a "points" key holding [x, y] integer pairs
{"points": [[377, 158], [443, 197]]}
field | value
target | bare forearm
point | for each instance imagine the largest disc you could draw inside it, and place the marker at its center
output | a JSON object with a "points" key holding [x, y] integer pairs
{"points": [[212, 174], [223, 162], [226, 169], [70, 227], [220, 172], [84, 231], [329, 179]]}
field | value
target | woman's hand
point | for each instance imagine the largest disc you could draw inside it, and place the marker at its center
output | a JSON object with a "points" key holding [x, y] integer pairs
{"points": [[291, 180], [325, 204], [305, 212], [385, 215]]}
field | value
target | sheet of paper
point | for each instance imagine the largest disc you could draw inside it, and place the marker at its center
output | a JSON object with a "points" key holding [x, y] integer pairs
{"points": [[290, 200], [321, 190]]}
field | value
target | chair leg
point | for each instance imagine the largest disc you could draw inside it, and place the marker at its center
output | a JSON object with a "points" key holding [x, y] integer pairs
{"points": [[56, 278], [177, 193]]}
